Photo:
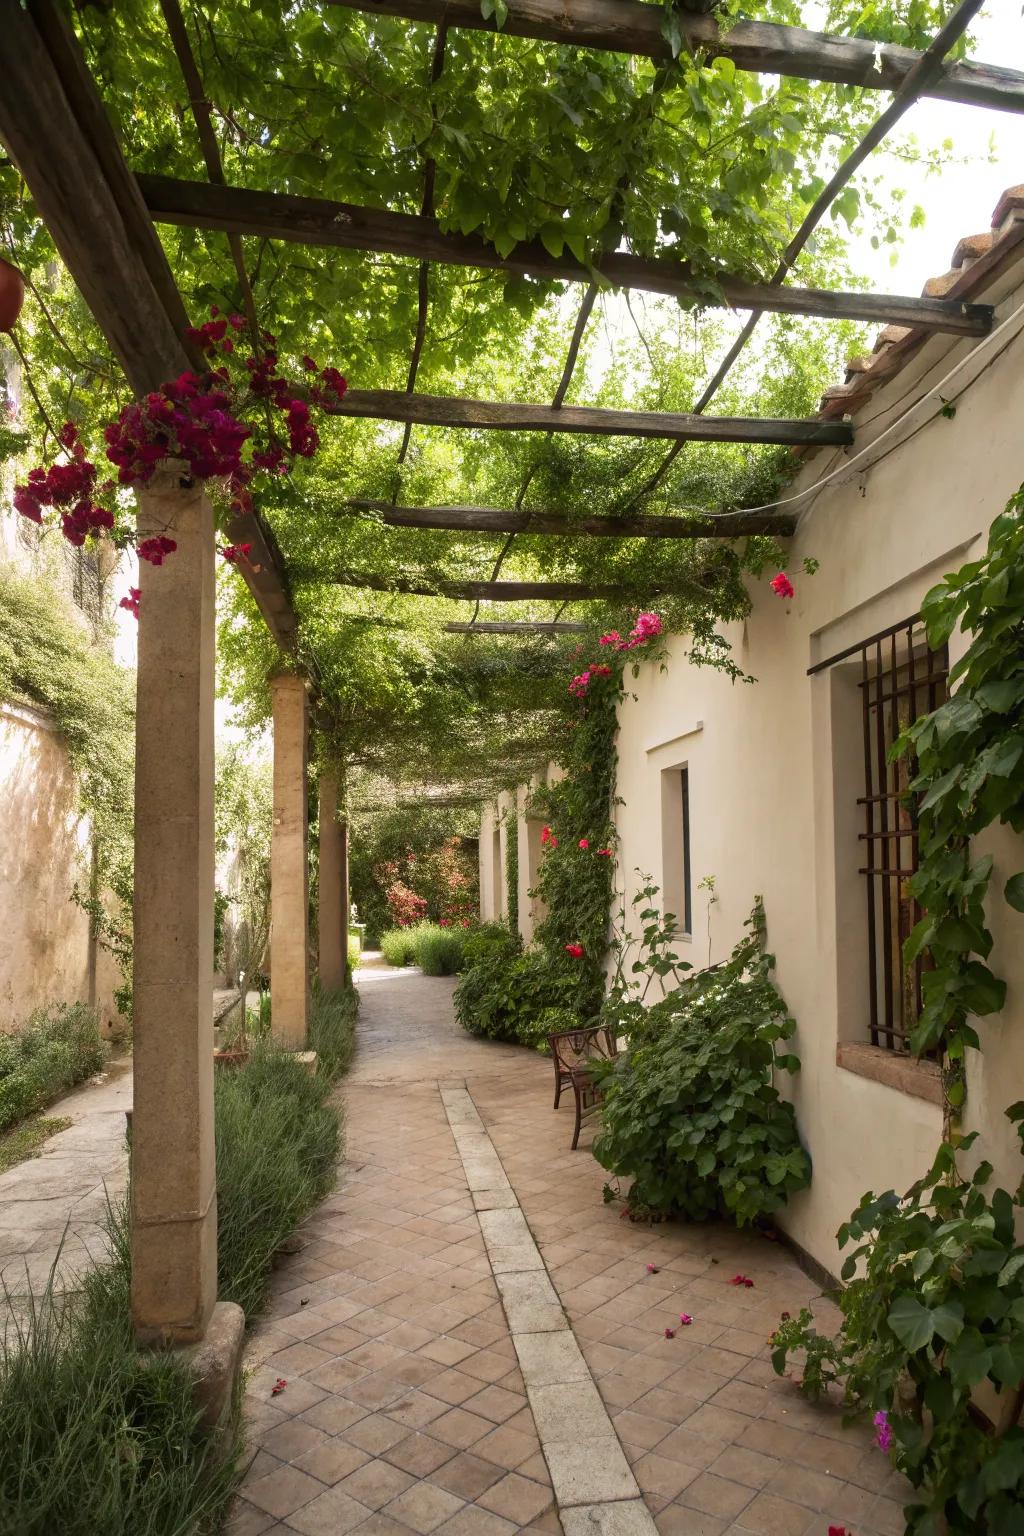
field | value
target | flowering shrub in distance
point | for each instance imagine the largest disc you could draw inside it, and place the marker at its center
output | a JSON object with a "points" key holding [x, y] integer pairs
{"points": [[230, 423]]}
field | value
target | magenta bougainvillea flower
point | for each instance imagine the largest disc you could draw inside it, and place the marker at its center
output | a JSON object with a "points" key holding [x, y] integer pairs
{"points": [[741, 1280], [685, 1319], [670, 1333], [782, 586], [278, 1387], [652, 1269], [131, 602], [883, 1430], [584, 842], [576, 950], [605, 852]]}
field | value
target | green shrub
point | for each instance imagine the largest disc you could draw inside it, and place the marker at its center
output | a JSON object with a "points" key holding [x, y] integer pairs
{"points": [[355, 949], [58, 1047], [932, 1313], [505, 993], [439, 951], [277, 1148], [691, 1113], [332, 1030], [398, 946]]}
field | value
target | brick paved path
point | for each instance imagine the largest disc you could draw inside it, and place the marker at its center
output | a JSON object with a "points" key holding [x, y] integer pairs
{"points": [[473, 1346]]}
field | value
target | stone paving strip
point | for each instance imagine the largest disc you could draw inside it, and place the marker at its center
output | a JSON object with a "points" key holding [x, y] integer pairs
{"points": [[595, 1489]]}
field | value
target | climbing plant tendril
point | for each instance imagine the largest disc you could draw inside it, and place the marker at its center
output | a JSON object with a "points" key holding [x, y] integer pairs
{"points": [[970, 774]]}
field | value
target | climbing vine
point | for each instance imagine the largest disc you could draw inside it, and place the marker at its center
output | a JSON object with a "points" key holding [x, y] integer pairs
{"points": [[970, 775], [46, 661], [934, 1309]]}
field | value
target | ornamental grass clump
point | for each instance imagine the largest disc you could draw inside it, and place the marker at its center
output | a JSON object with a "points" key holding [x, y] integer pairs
{"points": [[691, 1114], [278, 1142], [97, 1437], [398, 946]]}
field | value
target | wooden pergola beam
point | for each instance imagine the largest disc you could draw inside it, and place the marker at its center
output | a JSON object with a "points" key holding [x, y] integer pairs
{"points": [[517, 627], [56, 129], [497, 416], [489, 591], [726, 525], [349, 226], [628, 26]]}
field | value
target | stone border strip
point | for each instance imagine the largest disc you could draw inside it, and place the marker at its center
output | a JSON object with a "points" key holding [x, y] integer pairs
{"points": [[595, 1490]]}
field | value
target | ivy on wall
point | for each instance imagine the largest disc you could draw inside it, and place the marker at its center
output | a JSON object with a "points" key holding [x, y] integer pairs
{"points": [[935, 1305], [512, 870], [970, 775], [48, 662]]}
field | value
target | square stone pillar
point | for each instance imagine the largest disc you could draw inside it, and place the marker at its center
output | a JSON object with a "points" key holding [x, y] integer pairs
{"points": [[289, 864], [333, 903], [173, 1186]]}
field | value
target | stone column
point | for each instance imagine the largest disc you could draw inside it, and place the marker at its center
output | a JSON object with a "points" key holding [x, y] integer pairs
{"points": [[174, 1207], [333, 902], [289, 864]]}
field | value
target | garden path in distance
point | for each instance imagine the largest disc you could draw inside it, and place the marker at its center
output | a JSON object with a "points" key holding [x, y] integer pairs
{"points": [[470, 1342]]}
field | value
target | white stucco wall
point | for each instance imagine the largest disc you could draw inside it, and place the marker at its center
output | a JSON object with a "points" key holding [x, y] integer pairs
{"points": [[775, 768]]}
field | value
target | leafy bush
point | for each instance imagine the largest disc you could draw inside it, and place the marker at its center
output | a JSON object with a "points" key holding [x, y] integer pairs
{"points": [[58, 1047], [439, 951], [398, 946], [935, 1312], [691, 1113], [277, 1147], [508, 994]]}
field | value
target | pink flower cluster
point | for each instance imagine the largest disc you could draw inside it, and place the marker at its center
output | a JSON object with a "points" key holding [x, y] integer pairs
{"points": [[196, 418], [782, 586], [647, 626], [68, 488], [548, 838], [576, 950], [131, 602]]}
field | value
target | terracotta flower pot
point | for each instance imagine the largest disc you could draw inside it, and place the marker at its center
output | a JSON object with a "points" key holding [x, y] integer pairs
{"points": [[12, 294], [230, 1058]]}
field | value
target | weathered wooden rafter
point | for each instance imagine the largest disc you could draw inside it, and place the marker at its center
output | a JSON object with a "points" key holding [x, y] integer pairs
{"points": [[54, 124], [318, 221], [628, 26], [927, 69], [494, 415], [517, 627], [728, 525], [488, 591]]}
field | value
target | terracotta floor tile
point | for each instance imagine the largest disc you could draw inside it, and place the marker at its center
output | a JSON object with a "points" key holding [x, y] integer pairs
{"points": [[419, 1454], [424, 1507], [516, 1498]]}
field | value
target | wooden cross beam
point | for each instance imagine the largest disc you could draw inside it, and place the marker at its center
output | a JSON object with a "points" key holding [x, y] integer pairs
{"points": [[57, 131], [628, 26], [493, 415], [724, 525], [318, 221], [517, 627], [492, 591]]}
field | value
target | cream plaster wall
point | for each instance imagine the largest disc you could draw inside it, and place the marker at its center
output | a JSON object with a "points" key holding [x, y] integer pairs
{"points": [[775, 767], [46, 954]]}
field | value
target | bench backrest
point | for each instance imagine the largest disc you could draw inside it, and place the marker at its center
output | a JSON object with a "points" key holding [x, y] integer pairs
{"points": [[573, 1048]]}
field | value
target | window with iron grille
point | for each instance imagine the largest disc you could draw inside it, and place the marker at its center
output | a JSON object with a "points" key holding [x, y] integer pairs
{"points": [[898, 679]]}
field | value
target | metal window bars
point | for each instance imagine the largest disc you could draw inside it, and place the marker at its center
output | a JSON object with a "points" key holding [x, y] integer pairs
{"points": [[900, 679]]}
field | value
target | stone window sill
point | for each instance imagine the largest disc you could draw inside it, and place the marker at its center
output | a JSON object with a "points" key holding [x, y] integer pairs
{"points": [[921, 1079]]}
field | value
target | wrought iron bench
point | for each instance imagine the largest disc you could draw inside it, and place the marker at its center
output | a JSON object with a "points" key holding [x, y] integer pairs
{"points": [[572, 1051]]}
